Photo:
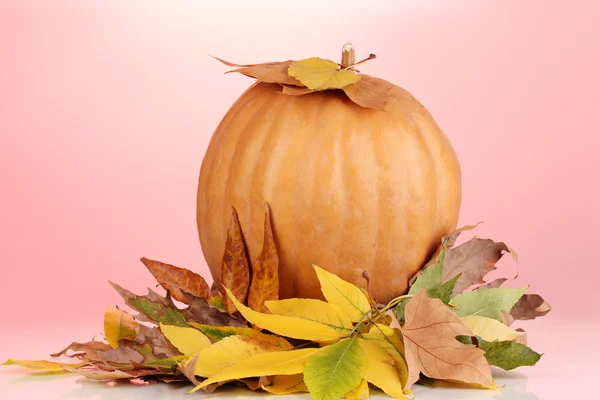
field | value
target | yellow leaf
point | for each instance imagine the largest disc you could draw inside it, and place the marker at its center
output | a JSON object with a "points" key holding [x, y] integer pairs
{"points": [[360, 392], [227, 352], [381, 371], [263, 364], [217, 333], [47, 366], [313, 310], [119, 325], [349, 298], [286, 384], [186, 340], [318, 74], [489, 329], [286, 326], [386, 338]]}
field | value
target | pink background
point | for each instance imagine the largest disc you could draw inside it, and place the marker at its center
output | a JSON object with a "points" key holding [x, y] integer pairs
{"points": [[106, 109]]}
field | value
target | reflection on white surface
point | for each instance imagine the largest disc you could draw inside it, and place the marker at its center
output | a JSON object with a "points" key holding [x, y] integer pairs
{"points": [[16, 385]]}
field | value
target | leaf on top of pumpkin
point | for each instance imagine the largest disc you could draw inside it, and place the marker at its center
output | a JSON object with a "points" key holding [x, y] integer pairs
{"points": [[318, 74], [265, 276], [473, 260], [431, 347], [270, 72], [349, 298], [175, 279], [313, 310], [216, 333], [335, 370], [119, 325], [530, 306], [263, 364], [370, 92], [235, 271], [292, 327], [487, 302], [186, 340]]}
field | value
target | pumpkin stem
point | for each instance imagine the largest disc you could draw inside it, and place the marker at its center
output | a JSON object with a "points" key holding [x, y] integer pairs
{"points": [[348, 56]]}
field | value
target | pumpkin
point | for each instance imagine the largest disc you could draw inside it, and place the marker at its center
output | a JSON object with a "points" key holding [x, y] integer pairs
{"points": [[350, 188]]}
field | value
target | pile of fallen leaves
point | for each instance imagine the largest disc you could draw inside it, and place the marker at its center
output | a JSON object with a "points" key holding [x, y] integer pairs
{"points": [[242, 334]]}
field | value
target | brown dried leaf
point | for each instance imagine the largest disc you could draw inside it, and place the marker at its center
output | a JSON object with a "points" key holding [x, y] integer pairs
{"points": [[431, 347], [530, 306], [507, 319], [235, 272], [89, 351], [271, 72], [99, 374], [473, 260], [175, 279], [257, 382], [200, 312], [449, 240], [496, 283], [265, 277], [188, 367], [370, 92]]}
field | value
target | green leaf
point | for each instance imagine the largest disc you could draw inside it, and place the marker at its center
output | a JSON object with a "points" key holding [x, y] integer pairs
{"points": [[507, 354], [487, 302], [166, 363], [335, 370], [444, 292], [431, 276]]}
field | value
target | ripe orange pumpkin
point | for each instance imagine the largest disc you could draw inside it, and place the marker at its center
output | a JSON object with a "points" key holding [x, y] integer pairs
{"points": [[350, 189]]}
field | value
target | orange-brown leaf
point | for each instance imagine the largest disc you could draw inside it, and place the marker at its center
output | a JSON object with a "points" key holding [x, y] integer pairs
{"points": [[271, 72], [369, 92], [235, 272], [431, 347], [265, 276], [175, 279]]}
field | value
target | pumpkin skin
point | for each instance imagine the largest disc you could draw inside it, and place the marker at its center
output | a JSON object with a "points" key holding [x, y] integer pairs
{"points": [[350, 189]]}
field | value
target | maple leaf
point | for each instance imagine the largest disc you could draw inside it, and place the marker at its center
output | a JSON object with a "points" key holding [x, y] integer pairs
{"points": [[335, 370], [429, 335], [265, 277], [235, 272], [319, 74], [176, 280], [271, 72]]}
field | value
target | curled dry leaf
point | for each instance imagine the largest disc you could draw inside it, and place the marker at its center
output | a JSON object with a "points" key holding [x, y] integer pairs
{"points": [[370, 92], [271, 72], [235, 272], [175, 279], [265, 276], [431, 347], [88, 351], [119, 325], [530, 306]]}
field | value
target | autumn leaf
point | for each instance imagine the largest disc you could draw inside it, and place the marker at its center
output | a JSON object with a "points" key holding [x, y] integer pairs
{"points": [[386, 338], [166, 362], [287, 384], [150, 345], [487, 302], [431, 347], [473, 260], [176, 280], [88, 351], [496, 283], [291, 327], [119, 325], [235, 272], [186, 340], [530, 306], [216, 333], [370, 92], [100, 374], [313, 310], [42, 365], [335, 370], [349, 298], [265, 277], [489, 329], [263, 364], [188, 368], [360, 392], [271, 72], [380, 369], [507, 355], [318, 74]]}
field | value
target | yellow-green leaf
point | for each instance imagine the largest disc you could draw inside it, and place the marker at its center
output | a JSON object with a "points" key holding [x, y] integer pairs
{"points": [[186, 340], [489, 329], [335, 370], [42, 365], [263, 364], [349, 298], [286, 384], [286, 326], [386, 338], [216, 333], [380, 370], [318, 74], [227, 352], [119, 325], [313, 310], [360, 392]]}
